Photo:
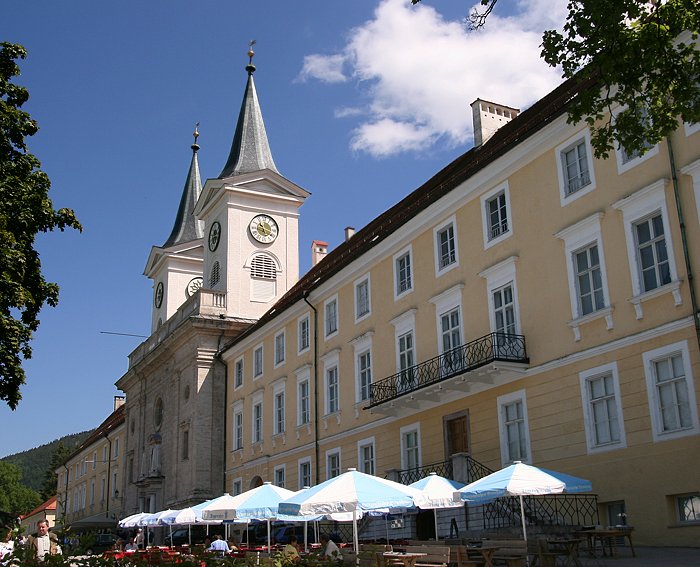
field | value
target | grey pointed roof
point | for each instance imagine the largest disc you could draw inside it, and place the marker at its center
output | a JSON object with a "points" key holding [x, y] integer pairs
{"points": [[187, 227], [250, 150]]}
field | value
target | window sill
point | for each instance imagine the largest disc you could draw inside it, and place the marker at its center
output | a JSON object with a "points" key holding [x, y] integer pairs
{"points": [[606, 313], [330, 416], [280, 438], [302, 427], [672, 288]]}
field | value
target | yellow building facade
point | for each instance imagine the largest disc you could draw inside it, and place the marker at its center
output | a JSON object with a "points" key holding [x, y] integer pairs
{"points": [[529, 302], [91, 483]]}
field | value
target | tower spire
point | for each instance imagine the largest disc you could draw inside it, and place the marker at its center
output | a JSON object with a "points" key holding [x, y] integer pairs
{"points": [[250, 150], [187, 227]]}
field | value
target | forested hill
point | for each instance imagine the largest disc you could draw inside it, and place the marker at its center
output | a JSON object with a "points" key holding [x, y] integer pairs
{"points": [[34, 462]]}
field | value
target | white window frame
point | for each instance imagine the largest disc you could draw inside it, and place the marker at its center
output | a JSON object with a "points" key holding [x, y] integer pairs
{"points": [[583, 137], [258, 362], [257, 433], [486, 198], [404, 324], [498, 276], [406, 252], [306, 461], [585, 378], [403, 432], [280, 343], [327, 332], [237, 486], [280, 473], [331, 362], [333, 453], [446, 302], [238, 369], [502, 402], [238, 427], [304, 320], [303, 377], [622, 165], [576, 237], [362, 345], [635, 207], [691, 128], [440, 270], [279, 414], [649, 358], [364, 280], [361, 445]]}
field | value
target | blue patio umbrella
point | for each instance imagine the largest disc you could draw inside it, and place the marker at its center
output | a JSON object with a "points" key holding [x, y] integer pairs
{"points": [[437, 492], [520, 480]]}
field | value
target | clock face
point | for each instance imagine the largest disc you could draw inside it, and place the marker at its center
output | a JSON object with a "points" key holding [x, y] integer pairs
{"points": [[193, 286], [264, 229], [158, 298], [214, 236]]}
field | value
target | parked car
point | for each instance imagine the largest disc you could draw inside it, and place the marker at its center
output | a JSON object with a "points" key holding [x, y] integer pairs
{"points": [[100, 543], [281, 535]]}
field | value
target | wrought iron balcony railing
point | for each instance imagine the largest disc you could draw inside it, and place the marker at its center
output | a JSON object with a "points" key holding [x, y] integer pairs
{"points": [[465, 358], [546, 510]]}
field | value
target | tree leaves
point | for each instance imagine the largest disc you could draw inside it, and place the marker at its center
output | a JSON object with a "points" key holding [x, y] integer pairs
{"points": [[25, 210]]}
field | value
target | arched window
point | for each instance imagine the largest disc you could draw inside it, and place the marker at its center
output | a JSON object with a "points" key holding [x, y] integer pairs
{"points": [[262, 266], [215, 275]]}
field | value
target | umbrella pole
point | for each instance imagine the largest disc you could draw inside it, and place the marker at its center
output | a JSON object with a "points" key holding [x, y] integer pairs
{"points": [[436, 524], [269, 547], [522, 517], [189, 534], [355, 539]]}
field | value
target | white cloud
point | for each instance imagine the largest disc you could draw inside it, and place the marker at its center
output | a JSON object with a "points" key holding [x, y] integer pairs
{"points": [[419, 72]]}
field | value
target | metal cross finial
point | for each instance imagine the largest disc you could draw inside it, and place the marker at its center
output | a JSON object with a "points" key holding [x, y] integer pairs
{"points": [[196, 132], [251, 43]]}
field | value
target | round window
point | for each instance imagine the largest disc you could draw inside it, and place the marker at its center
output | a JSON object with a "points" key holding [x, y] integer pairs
{"points": [[158, 413]]}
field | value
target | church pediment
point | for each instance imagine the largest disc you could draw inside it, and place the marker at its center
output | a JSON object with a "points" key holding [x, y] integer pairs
{"points": [[193, 250], [264, 183]]}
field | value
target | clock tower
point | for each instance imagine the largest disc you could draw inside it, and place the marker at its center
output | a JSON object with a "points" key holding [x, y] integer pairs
{"points": [[250, 214], [176, 266]]}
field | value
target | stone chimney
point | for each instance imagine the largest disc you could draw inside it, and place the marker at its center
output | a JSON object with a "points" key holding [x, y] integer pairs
{"points": [[489, 117], [319, 249], [118, 402], [349, 232]]}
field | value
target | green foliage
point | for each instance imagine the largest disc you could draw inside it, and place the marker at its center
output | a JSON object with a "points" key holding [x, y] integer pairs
{"points": [[35, 464], [25, 210], [15, 498], [636, 56], [632, 51]]}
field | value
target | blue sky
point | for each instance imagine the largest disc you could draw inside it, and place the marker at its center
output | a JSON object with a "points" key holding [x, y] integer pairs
{"points": [[363, 102]]}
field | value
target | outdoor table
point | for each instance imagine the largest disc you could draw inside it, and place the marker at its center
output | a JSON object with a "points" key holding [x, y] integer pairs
{"points": [[486, 551], [607, 538], [567, 548], [405, 559]]}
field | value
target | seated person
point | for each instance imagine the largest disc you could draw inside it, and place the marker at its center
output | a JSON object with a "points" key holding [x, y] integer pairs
{"points": [[131, 545], [219, 545], [329, 550], [291, 550]]}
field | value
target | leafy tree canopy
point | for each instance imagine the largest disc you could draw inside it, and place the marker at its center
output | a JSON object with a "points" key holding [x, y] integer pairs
{"points": [[25, 210], [642, 54], [15, 498]]}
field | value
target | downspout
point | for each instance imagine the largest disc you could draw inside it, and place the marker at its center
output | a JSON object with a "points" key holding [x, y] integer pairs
{"points": [[684, 241], [315, 362], [217, 357]]}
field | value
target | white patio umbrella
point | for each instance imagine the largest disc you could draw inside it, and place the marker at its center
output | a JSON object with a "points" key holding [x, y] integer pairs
{"points": [[132, 521], [352, 491], [437, 492], [520, 480], [186, 517]]}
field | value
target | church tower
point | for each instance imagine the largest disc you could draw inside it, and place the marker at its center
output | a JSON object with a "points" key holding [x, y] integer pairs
{"points": [[250, 214], [176, 266]]}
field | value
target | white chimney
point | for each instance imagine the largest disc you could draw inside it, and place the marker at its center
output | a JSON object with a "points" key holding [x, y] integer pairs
{"points": [[118, 402], [319, 249], [349, 232], [489, 117]]}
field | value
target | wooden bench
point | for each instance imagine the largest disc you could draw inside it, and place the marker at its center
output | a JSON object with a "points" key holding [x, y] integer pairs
{"points": [[435, 555], [511, 552]]}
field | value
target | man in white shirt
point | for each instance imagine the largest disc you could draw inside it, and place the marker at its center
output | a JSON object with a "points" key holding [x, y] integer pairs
{"points": [[43, 543], [219, 545]]}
